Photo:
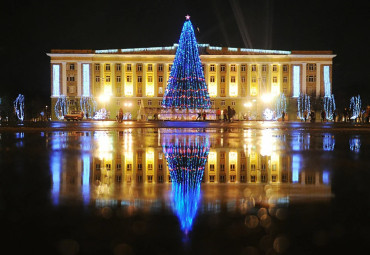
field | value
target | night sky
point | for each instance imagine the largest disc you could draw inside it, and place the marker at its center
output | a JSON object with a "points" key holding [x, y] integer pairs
{"points": [[30, 29]]}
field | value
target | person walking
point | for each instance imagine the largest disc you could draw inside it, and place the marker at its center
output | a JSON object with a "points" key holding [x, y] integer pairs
{"points": [[334, 116], [225, 114], [218, 114], [323, 116], [283, 116], [305, 114]]}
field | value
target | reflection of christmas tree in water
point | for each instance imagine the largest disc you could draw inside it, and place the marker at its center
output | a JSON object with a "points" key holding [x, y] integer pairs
{"points": [[186, 157], [186, 87]]}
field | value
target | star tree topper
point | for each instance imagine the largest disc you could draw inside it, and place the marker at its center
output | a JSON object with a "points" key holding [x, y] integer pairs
{"points": [[187, 17]]}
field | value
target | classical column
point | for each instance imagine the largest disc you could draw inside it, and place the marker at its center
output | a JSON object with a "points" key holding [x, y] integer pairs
{"points": [[64, 78], [318, 79], [304, 66], [79, 75]]}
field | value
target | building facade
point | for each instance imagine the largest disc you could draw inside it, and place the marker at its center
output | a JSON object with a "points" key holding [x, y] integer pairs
{"points": [[134, 79]]}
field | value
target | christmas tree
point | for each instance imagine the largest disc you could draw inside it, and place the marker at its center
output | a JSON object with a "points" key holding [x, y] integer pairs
{"points": [[186, 86]]}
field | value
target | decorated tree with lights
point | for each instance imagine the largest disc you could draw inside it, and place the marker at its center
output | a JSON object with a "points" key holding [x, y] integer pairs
{"points": [[186, 86]]}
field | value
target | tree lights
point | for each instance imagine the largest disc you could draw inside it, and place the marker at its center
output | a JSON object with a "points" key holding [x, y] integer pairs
{"points": [[186, 86], [19, 107]]}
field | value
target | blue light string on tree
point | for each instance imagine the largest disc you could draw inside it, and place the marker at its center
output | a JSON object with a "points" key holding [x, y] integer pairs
{"points": [[88, 105], [19, 107], [329, 106], [186, 86], [280, 105], [355, 107], [61, 107], [304, 104]]}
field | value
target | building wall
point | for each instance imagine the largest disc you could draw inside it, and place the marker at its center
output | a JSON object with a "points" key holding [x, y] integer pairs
{"points": [[233, 80]]}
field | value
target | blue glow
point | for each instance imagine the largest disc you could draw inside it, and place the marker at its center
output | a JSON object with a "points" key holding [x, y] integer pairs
{"points": [[86, 178], [328, 142], [296, 81], [55, 166], [327, 81], [56, 80], [355, 144], [355, 107], [296, 167], [325, 177], [19, 107], [86, 80]]}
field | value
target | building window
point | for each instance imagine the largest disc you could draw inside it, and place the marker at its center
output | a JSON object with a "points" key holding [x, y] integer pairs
{"points": [[128, 67], [129, 78], [169, 67], [118, 67], [232, 178], [150, 78], [285, 68], [211, 178], [118, 78], [71, 66], [160, 78], [311, 67], [118, 166], [223, 102], [118, 178], [242, 167], [97, 79], [139, 167], [253, 178], [242, 178], [285, 79], [264, 68], [274, 79], [222, 78], [222, 178], [97, 67], [160, 67], [243, 68], [232, 79], [212, 79], [254, 68], [274, 68], [160, 91], [97, 167], [232, 167], [233, 68], [212, 68], [150, 167], [254, 79], [311, 78], [212, 167], [243, 79], [129, 167], [139, 67], [222, 92], [263, 178], [223, 68], [150, 68], [253, 167], [233, 103], [160, 166], [273, 178], [160, 178], [149, 102], [139, 79], [222, 167], [203, 68], [107, 67], [150, 178], [284, 178], [108, 167], [107, 78]]}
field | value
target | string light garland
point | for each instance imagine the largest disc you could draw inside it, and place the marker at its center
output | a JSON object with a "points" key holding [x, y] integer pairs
{"points": [[304, 104], [19, 107], [329, 106], [280, 106], [61, 107], [355, 107], [186, 86]]}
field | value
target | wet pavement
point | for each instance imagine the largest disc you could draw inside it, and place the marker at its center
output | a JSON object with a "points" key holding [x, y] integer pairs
{"points": [[185, 187]]}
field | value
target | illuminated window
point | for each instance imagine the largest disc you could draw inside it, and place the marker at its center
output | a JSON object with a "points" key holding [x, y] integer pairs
{"points": [[212, 68], [232, 167], [160, 78], [311, 67], [150, 178], [274, 79], [264, 68], [128, 67], [107, 78], [118, 67], [97, 79], [150, 67], [233, 103], [285, 68], [212, 79], [232, 79], [223, 68], [129, 167], [311, 78], [118, 178], [222, 167], [107, 67], [149, 102], [160, 166], [223, 102], [129, 78], [211, 178], [118, 78], [160, 90], [254, 68], [97, 67], [243, 68], [274, 68], [139, 167], [243, 79], [253, 178], [212, 167], [232, 178], [71, 66], [233, 68], [139, 79], [139, 67], [160, 67], [150, 78], [222, 78]]}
